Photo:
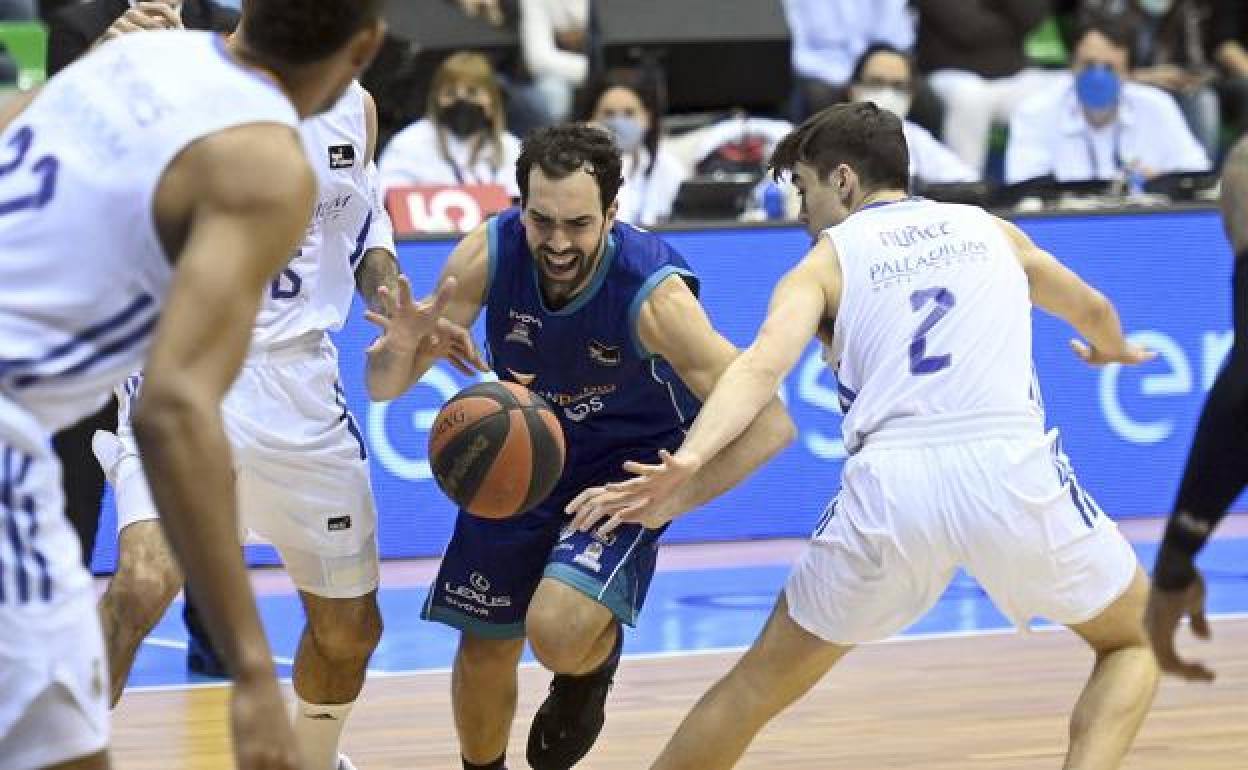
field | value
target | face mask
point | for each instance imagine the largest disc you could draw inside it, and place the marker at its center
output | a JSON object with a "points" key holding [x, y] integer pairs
{"points": [[1098, 87], [463, 118], [893, 100], [626, 130], [1155, 7]]}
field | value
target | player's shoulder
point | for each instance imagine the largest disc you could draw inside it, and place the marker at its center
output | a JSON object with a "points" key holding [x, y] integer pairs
{"points": [[250, 164]]}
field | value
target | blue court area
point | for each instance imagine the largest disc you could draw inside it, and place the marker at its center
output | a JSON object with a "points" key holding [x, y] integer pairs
{"points": [[688, 611]]}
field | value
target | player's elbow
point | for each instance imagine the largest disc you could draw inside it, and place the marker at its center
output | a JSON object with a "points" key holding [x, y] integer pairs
{"points": [[168, 409], [1095, 311]]}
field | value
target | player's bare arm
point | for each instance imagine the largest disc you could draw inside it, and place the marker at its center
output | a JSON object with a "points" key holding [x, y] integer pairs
{"points": [[1058, 290], [800, 302], [673, 324], [1178, 586], [416, 334], [232, 207]]}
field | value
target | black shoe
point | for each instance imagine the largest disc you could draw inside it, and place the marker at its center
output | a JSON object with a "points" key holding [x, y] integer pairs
{"points": [[570, 719], [202, 659]]}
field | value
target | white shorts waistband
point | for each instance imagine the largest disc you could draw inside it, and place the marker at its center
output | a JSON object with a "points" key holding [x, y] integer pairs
{"points": [[954, 428]]}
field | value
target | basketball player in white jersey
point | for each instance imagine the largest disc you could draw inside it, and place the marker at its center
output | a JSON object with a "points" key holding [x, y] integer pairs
{"points": [[926, 311], [300, 461], [148, 194]]}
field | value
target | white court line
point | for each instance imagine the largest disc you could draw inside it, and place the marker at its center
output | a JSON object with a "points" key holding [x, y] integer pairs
{"points": [[647, 656], [174, 644]]}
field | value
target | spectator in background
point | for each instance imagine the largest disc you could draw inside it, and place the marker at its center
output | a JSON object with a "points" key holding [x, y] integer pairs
{"points": [[885, 76], [1096, 126], [972, 53], [461, 139], [554, 42], [829, 37], [491, 11], [75, 28], [1168, 50], [630, 104], [1228, 42]]}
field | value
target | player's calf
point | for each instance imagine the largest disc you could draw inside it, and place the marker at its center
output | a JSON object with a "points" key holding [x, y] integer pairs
{"points": [[1122, 685], [146, 582]]}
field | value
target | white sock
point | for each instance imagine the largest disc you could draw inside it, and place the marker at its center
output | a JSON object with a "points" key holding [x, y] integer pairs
{"points": [[318, 726]]}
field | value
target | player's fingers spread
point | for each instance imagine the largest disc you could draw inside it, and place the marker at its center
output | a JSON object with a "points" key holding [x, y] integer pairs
{"points": [[1194, 672], [582, 500], [460, 365], [611, 525], [162, 13], [405, 291], [442, 297], [1200, 624], [588, 516], [377, 318], [640, 469]]}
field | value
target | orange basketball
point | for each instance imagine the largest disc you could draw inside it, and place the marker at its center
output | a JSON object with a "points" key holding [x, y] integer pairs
{"points": [[496, 449]]}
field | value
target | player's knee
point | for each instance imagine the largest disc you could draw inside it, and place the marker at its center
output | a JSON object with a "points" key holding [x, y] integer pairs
{"points": [[488, 655], [352, 635], [561, 645], [144, 589]]}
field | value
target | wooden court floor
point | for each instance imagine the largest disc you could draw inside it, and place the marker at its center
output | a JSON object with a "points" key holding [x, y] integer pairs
{"points": [[980, 702]]}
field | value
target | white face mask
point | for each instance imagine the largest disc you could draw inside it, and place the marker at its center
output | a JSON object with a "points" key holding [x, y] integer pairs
{"points": [[893, 100], [1155, 7]]}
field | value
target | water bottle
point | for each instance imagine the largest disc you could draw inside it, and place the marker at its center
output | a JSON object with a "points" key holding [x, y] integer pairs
{"points": [[774, 200]]}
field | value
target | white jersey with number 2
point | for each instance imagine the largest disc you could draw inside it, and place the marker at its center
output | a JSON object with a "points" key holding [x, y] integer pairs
{"points": [[934, 318]]}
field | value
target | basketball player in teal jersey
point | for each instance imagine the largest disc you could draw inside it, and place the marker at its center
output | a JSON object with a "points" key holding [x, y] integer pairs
{"points": [[603, 320]]}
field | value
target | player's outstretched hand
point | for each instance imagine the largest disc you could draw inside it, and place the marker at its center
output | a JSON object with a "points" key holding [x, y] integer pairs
{"points": [[416, 328], [1131, 355], [648, 499], [261, 730], [144, 16], [1165, 610]]}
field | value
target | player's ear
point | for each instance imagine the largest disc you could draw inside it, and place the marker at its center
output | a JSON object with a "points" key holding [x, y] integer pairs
{"points": [[610, 213], [846, 181], [367, 42]]}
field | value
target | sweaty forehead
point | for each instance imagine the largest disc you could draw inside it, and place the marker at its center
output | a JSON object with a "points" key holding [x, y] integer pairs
{"points": [[573, 197]]}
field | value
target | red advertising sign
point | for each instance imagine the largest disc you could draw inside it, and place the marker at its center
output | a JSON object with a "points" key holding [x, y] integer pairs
{"points": [[442, 208]]}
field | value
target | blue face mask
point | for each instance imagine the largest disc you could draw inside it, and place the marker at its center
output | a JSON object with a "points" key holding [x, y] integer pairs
{"points": [[1098, 87], [626, 130]]}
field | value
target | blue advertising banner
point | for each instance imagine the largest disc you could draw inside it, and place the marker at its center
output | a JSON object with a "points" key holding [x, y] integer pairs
{"points": [[1126, 431]]}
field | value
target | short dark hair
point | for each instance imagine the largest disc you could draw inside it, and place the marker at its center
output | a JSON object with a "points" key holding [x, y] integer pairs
{"points": [[563, 149], [297, 32], [1118, 31], [871, 51], [860, 135]]}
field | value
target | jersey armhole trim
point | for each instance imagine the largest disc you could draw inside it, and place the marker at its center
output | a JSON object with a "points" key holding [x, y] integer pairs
{"points": [[491, 251], [647, 288]]}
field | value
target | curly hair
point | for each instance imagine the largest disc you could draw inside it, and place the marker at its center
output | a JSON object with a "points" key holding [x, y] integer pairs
{"points": [[297, 32], [569, 147]]}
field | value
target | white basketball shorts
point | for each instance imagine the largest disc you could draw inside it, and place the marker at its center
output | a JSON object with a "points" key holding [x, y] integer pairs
{"points": [[301, 464], [925, 496], [53, 674]]}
